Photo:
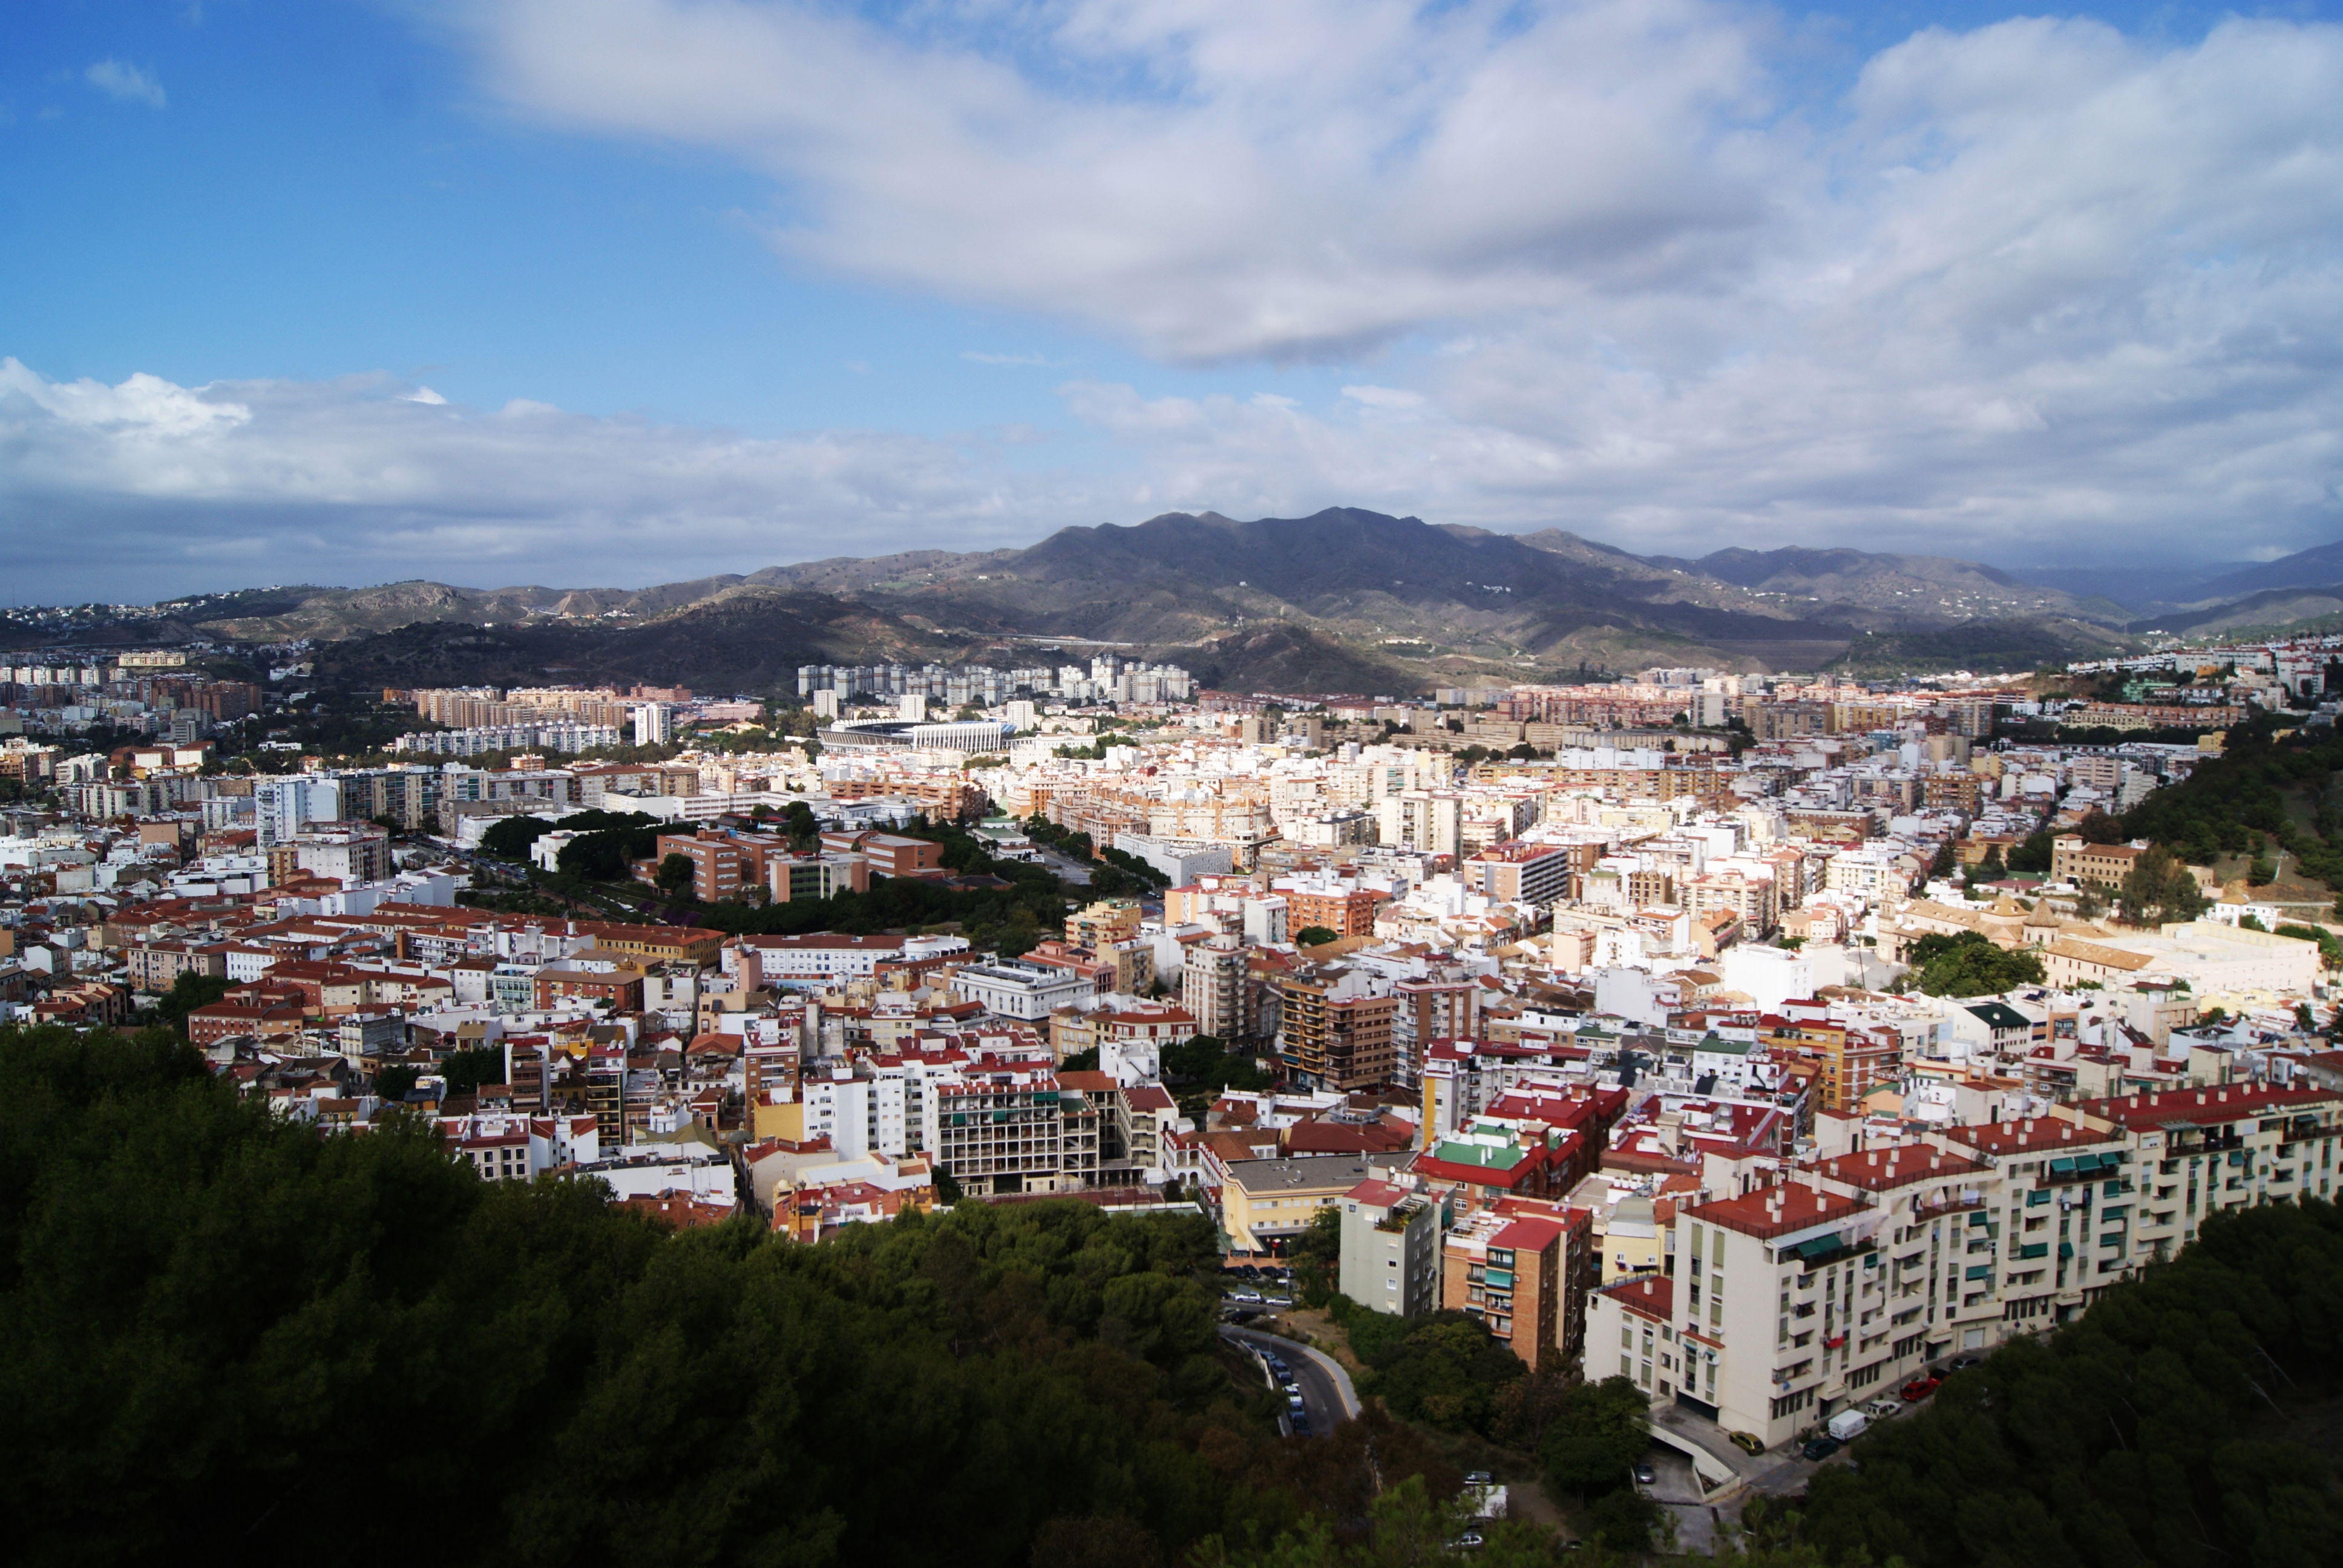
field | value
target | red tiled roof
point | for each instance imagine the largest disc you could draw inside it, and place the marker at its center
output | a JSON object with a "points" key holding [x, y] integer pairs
{"points": [[1651, 1295], [2029, 1136], [2135, 1111], [1877, 1169], [1802, 1208]]}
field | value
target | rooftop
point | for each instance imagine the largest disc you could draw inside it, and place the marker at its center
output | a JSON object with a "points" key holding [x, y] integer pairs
{"points": [[1771, 1212]]}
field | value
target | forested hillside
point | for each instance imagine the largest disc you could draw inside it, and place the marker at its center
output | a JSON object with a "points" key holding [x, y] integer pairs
{"points": [[226, 1339]]}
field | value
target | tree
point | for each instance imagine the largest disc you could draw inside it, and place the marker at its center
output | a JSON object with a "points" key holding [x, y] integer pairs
{"points": [[2262, 871], [676, 875], [1317, 1256], [2033, 854], [1603, 1431], [512, 838], [2158, 882], [465, 1070], [1313, 937], [1969, 965], [1991, 868], [206, 1303], [189, 992], [1943, 862]]}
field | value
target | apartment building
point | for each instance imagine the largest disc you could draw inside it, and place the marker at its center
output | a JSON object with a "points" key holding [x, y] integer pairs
{"points": [[1855, 1060], [1795, 1301], [1212, 986], [1523, 873], [1524, 1271], [1266, 1204], [1390, 1249], [1335, 1031], [1005, 1130], [1028, 992]]}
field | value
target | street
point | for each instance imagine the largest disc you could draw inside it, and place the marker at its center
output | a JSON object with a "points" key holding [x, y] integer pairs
{"points": [[1323, 1385]]}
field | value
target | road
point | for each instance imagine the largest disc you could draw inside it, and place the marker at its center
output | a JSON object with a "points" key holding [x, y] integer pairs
{"points": [[1326, 1393]]}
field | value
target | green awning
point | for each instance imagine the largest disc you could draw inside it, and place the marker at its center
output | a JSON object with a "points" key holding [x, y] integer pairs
{"points": [[2062, 1167], [1980, 1271], [1816, 1246]]}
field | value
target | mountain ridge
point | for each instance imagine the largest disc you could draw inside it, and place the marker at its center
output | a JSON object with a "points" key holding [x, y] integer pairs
{"points": [[1369, 595]]}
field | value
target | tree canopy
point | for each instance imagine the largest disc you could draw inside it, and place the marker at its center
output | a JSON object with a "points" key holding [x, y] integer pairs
{"points": [[2162, 1428], [1968, 965], [227, 1336]]}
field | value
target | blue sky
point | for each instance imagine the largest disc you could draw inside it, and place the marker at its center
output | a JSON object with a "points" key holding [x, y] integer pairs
{"points": [[617, 291]]}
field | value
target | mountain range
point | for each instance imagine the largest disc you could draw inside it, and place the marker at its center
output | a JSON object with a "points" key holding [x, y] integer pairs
{"points": [[1345, 599]]}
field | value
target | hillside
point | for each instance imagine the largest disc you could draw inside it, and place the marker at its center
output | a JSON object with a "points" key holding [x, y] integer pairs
{"points": [[1344, 599]]}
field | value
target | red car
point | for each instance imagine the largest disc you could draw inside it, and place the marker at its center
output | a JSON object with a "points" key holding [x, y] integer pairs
{"points": [[1920, 1388]]}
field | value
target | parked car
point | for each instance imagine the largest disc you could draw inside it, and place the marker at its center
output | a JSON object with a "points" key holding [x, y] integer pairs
{"points": [[1469, 1539], [1820, 1448], [1746, 1441], [1277, 1301], [1250, 1297], [1479, 1478], [1300, 1422], [1848, 1425], [1646, 1475], [1882, 1408], [1920, 1388], [1963, 1363]]}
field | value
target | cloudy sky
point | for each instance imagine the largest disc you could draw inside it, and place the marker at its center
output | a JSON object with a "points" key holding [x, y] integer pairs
{"points": [[621, 291]]}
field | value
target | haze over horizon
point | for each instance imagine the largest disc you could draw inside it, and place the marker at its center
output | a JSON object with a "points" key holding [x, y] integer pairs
{"points": [[617, 292]]}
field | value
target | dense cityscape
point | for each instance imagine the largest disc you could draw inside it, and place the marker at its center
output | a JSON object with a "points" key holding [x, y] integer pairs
{"points": [[1170, 784], [1926, 1012]]}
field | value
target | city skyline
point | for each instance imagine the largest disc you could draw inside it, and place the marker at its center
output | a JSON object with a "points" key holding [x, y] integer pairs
{"points": [[624, 292]]}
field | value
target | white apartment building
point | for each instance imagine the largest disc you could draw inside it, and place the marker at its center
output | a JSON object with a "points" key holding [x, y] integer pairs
{"points": [[1010, 987], [1796, 1300]]}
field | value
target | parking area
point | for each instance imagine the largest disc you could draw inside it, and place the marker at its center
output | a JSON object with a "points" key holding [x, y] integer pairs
{"points": [[1267, 1287]]}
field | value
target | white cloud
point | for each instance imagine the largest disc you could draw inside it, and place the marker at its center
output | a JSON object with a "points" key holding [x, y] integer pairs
{"points": [[122, 81], [358, 480], [2032, 289], [2031, 292]]}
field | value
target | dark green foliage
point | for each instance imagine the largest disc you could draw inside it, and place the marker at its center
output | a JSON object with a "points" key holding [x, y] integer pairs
{"points": [[189, 992], [512, 838], [1316, 1258], [1199, 1067], [2236, 802], [1443, 1370], [611, 842], [1945, 860], [1407, 1525], [676, 874], [1009, 919], [2159, 886], [466, 1071], [1114, 874], [2033, 854], [1968, 965], [1599, 1434], [2148, 1432], [207, 1312], [1313, 937]]}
